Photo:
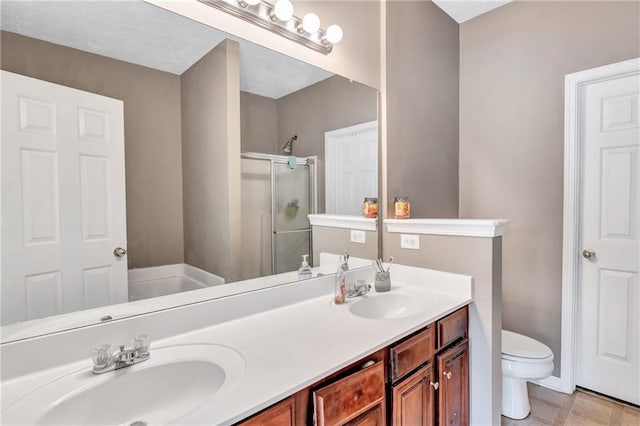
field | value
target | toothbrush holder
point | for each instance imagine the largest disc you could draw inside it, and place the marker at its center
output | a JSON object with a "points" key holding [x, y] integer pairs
{"points": [[383, 281]]}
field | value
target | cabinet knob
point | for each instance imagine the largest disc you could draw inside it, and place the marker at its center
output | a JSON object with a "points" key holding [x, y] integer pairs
{"points": [[446, 374], [435, 385]]}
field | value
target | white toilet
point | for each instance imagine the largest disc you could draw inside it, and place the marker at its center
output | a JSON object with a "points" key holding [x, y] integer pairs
{"points": [[523, 359]]}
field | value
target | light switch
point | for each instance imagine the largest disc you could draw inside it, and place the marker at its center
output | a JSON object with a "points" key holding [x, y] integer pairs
{"points": [[411, 242], [358, 236]]}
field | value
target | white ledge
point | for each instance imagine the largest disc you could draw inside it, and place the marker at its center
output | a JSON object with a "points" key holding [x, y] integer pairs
{"points": [[344, 221], [459, 227]]}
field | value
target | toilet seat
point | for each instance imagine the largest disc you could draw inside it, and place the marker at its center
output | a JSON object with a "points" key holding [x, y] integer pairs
{"points": [[517, 347], [525, 360]]}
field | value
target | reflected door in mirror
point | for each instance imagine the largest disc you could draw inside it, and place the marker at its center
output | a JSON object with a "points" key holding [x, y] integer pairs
{"points": [[63, 199], [352, 167]]}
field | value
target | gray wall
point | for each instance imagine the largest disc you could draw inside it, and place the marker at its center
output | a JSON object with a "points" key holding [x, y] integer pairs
{"points": [[422, 108], [512, 66], [330, 104], [151, 130], [480, 258], [336, 240], [259, 124], [211, 161]]}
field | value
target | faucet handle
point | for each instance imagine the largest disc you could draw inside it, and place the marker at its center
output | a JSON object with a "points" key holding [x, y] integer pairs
{"points": [[362, 284], [141, 344], [102, 355]]}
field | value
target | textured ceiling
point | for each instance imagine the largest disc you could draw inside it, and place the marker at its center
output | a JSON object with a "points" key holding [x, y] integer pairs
{"points": [[463, 10], [137, 32]]}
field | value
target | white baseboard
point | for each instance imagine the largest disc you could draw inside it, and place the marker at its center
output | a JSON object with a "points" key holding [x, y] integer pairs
{"points": [[551, 382]]}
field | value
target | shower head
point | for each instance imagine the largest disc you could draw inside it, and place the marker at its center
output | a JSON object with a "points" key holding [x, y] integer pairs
{"points": [[288, 147]]}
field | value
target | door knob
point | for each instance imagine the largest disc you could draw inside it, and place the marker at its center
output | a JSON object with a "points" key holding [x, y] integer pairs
{"points": [[119, 252], [588, 254]]}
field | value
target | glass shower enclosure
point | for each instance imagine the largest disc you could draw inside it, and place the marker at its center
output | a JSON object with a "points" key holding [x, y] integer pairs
{"points": [[278, 193]]}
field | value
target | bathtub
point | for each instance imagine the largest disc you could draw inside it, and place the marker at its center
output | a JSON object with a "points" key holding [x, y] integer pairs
{"points": [[168, 279]]}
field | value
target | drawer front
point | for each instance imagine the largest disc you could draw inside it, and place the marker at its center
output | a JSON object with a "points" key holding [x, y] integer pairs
{"points": [[349, 397], [281, 414], [413, 352], [452, 328]]}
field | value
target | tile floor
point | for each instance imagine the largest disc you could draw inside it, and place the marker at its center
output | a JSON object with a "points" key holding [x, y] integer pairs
{"points": [[580, 409]]}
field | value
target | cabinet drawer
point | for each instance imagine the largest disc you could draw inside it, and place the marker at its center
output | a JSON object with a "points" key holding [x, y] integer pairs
{"points": [[452, 328], [281, 414], [413, 352], [349, 397]]}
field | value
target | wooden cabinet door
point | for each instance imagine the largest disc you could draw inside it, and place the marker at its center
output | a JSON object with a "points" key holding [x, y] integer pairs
{"points": [[453, 375], [281, 414], [414, 399], [373, 417]]}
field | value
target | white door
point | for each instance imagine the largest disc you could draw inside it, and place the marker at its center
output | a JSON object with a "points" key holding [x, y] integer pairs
{"points": [[63, 199], [609, 299], [351, 156]]}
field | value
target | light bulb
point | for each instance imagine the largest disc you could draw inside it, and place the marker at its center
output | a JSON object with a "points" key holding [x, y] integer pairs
{"points": [[311, 23], [334, 34], [283, 10], [252, 2]]}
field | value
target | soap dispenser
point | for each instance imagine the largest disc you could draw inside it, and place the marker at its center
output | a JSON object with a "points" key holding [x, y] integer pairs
{"points": [[340, 284], [304, 271]]}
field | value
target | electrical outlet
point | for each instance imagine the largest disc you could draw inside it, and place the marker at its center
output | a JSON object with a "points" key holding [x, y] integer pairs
{"points": [[358, 236], [411, 242]]}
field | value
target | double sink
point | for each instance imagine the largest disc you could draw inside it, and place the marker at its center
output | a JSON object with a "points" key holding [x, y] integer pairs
{"points": [[174, 384]]}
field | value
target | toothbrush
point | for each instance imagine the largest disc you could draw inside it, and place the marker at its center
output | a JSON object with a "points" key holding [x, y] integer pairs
{"points": [[390, 263]]}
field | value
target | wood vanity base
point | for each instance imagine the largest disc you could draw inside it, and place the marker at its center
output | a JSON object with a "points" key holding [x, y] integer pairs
{"points": [[421, 380]]}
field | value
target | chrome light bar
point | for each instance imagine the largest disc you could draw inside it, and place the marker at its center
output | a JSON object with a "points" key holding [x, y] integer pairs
{"points": [[262, 14]]}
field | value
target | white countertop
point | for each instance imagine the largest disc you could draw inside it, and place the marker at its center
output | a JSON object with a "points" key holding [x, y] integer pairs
{"points": [[291, 347], [43, 326]]}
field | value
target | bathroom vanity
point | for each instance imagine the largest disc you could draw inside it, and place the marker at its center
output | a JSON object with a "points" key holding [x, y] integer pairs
{"points": [[422, 379], [264, 357]]}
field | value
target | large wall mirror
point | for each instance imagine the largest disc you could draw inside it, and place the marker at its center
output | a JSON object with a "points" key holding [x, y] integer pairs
{"points": [[146, 156]]}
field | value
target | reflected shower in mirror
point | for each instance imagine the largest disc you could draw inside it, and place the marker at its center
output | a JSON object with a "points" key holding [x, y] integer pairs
{"points": [[144, 153]]}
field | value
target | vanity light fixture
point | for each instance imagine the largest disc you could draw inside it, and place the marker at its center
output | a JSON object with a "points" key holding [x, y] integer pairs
{"points": [[279, 18], [310, 24], [282, 10], [334, 34]]}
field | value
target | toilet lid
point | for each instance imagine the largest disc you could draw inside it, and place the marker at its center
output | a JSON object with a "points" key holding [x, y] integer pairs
{"points": [[515, 344]]}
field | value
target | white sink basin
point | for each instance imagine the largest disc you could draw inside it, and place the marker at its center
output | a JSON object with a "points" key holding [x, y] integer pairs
{"points": [[173, 384], [387, 306]]}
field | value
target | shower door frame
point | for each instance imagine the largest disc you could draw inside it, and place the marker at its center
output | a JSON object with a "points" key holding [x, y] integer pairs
{"points": [[311, 162]]}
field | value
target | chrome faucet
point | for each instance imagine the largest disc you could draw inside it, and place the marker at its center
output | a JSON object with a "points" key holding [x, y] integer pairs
{"points": [[345, 261], [358, 289], [105, 360]]}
